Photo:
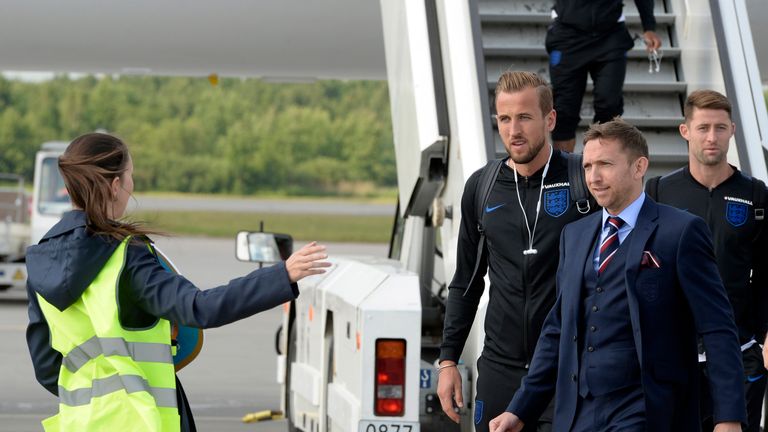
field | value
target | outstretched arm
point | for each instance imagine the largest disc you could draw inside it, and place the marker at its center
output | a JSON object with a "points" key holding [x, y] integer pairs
{"points": [[146, 284]]}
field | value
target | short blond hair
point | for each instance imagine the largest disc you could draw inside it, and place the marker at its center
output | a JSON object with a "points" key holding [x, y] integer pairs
{"points": [[515, 81]]}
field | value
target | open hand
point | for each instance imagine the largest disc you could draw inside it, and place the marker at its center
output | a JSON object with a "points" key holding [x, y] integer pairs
{"points": [[306, 261], [449, 389]]}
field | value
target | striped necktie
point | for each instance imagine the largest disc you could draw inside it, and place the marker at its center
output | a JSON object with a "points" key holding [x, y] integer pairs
{"points": [[610, 245]]}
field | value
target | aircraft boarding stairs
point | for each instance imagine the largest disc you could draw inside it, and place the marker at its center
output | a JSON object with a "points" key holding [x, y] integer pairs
{"points": [[513, 34]]}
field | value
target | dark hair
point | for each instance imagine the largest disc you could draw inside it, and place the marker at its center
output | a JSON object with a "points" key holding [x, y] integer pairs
{"points": [[88, 166], [706, 99], [630, 138], [515, 81]]}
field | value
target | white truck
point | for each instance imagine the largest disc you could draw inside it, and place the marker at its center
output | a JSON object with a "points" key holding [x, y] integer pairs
{"points": [[358, 347], [49, 198], [14, 231], [26, 219]]}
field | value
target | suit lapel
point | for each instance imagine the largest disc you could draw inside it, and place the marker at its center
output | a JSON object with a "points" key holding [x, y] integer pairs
{"points": [[645, 226]]}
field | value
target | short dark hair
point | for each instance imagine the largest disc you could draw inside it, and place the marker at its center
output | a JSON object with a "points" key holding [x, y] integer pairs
{"points": [[515, 81], [631, 139], [706, 99]]}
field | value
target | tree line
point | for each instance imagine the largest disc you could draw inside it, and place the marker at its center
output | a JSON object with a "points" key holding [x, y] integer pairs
{"points": [[241, 136]]}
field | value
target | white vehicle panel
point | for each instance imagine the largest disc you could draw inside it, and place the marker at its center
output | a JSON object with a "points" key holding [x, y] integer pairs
{"points": [[343, 407]]}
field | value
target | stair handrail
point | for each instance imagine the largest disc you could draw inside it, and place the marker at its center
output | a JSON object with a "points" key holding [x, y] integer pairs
{"points": [[742, 83]]}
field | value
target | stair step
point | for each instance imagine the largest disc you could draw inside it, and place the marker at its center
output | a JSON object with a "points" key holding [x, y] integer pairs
{"points": [[546, 18], [644, 87], [545, 7], [639, 122], [647, 122], [540, 52], [637, 69]]}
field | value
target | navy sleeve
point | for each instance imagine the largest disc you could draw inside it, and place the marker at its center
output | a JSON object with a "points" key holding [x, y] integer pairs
{"points": [[461, 309], [45, 359], [645, 8], [713, 317], [167, 295]]}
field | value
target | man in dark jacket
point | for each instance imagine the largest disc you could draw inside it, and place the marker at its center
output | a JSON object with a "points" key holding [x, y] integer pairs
{"points": [[732, 204], [589, 37], [528, 206]]}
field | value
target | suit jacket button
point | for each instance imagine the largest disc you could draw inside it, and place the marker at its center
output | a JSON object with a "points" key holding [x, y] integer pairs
{"points": [[590, 348], [594, 308], [593, 328], [573, 377], [599, 289], [575, 338]]}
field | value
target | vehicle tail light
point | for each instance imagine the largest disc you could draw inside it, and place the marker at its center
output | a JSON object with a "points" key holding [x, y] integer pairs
{"points": [[390, 377]]}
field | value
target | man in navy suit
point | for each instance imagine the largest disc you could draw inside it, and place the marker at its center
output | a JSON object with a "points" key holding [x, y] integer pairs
{"points": [[636, 284]]}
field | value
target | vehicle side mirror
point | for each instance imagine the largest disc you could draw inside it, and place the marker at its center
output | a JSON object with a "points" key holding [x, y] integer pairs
{"points": [[263, 247]]}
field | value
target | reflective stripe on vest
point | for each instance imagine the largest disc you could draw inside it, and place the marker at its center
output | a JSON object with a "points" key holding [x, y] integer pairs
{"points": [[164, 397], [96, 346]]}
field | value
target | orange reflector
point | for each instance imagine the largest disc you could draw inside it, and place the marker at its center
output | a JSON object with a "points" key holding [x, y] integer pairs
{"points": [[357, 337], [286, 307], [311, 313], [390, 349]]}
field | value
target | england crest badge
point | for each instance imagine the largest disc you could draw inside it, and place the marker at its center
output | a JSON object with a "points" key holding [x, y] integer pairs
{"points": [[736, 213], [556, 201]]}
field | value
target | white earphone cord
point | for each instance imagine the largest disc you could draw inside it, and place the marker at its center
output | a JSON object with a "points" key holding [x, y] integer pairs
{"points": [[531, 234]]}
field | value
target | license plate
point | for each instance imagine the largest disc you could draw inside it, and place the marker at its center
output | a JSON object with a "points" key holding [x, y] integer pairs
{"points": [[386, 426]]}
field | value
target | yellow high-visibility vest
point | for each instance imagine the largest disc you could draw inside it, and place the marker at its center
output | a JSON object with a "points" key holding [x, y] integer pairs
{"points": [[111, 378]]}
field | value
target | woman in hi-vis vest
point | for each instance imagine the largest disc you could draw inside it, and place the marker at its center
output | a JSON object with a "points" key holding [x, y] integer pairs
{"points": [[101, 303]]}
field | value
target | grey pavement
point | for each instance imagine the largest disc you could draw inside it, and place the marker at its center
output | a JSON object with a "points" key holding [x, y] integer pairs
{"points": [[235, 373], [257, 205]]}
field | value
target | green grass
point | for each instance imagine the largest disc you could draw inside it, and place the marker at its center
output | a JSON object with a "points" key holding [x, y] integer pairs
{"points": [[328, 228]]}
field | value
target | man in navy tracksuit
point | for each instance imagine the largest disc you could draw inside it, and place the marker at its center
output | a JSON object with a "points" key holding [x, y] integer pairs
{"points": [[589, 37], [733, 205]]}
